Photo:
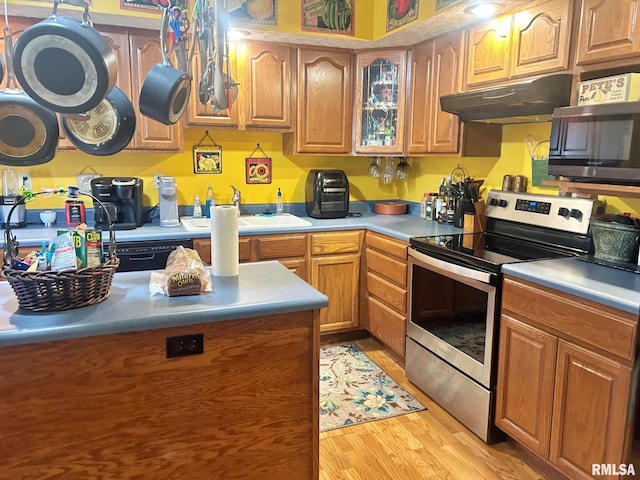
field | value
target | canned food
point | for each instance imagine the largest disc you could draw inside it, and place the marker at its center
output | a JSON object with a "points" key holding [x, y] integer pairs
{"points": [[520, 183], [507, 183]]}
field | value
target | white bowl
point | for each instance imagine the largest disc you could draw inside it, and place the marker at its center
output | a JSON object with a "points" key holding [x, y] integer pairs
{"points": [[48, 217]]}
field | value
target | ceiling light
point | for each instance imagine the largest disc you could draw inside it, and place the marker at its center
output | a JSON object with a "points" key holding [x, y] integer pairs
{"points": [[483, 10], [237, 34]]}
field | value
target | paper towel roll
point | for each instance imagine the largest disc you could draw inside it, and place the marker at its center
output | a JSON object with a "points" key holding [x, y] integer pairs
{"points": [[224, 240]]}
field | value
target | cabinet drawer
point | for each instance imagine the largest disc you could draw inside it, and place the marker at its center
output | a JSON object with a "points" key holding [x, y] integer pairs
{"points": [[387, 326], [244, 249], [390, 294], [203, 247], [297, 266], [572, 317], [281, 246], [393, 248], [387, 267], [336, 242]]}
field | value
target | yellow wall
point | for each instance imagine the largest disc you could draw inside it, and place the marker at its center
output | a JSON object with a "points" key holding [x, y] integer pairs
{"points": [[289, 172]]}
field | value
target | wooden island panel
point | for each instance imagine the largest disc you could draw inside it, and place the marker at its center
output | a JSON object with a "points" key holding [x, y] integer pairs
{"points": [[113, 406]]}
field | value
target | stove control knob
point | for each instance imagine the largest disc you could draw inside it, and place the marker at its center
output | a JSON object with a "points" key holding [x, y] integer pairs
{"points": [[493, 201], [502, 203], [563, 212], [575, 213]]}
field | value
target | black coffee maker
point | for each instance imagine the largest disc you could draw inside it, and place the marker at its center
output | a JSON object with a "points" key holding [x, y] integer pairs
{"points": [[122, 198]]}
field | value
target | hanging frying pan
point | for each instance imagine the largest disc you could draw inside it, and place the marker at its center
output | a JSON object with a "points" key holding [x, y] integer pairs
{"points": [[104, 130], [64, 64], [28, 131], [164, 95], [1, 68]]}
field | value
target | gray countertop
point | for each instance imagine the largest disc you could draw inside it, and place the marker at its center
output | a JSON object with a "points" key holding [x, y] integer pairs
{"points": [[401, 227], [606, 285], [130, 307], [602, 284]]}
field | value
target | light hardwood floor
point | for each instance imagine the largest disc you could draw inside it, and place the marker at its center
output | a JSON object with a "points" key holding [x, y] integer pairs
{"points": [[425, 445]]}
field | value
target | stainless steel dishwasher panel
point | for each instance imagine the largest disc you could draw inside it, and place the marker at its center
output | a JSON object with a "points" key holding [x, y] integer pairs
{"points": [[147, 255]]}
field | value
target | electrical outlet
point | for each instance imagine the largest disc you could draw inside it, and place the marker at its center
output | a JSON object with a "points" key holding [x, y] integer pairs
{"points": [[24, 180], [156, 180], [184, 345]]}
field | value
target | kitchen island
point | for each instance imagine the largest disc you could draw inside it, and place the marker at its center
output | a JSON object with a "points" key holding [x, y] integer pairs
{"points": [[221, 385]]}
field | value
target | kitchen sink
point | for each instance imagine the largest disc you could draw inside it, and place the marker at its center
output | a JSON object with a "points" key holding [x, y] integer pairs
{"points": [[248, 222], [271, 221]]}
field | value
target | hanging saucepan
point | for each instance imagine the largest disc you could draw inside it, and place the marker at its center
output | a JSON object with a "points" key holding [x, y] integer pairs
{"points": [[104, 130], [28, 131], [165, 92], [64, 64]]}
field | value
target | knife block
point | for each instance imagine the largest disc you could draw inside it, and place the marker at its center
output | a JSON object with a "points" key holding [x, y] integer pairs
{"points": [[475, 222]]}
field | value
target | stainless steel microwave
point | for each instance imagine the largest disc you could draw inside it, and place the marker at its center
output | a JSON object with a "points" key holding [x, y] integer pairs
{"points": [[596, 143]]}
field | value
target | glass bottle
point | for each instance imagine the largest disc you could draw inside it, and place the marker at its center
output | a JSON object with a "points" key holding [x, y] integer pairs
{"points": [[210, 202], [197, 206]]}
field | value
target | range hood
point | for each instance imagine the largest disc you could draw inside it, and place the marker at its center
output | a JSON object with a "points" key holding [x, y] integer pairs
{"points": [[524, 102]]}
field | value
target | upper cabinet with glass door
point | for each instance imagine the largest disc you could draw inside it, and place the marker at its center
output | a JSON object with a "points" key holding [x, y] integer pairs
{"points": [[380, 102]]}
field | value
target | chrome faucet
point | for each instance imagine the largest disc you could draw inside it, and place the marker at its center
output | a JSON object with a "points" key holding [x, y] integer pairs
{"points": [[236, 197]]}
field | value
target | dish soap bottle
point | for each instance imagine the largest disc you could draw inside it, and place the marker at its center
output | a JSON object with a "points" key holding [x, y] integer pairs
{"points": [[279, 202], [210, 202], [197, 207]]}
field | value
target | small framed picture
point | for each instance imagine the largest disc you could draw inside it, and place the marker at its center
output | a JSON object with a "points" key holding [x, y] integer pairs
{"points": [[258, 170], [152, 4], [328, 16], [207, 159], [401, 12]]}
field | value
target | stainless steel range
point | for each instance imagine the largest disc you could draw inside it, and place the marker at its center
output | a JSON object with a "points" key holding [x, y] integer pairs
{"points": [[455, 285]]}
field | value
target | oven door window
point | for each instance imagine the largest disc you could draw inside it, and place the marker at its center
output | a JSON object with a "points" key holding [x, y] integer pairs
{"points": [[453, 311]]}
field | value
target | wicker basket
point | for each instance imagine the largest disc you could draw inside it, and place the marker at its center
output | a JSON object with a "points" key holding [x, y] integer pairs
{"points": [[48, 291]]}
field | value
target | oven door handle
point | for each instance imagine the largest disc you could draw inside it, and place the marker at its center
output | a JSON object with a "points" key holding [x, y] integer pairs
{"points": [[452, 268]]}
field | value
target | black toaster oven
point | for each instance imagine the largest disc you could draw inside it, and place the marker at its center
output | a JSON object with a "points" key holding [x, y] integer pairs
{"points": [[327, 194]]}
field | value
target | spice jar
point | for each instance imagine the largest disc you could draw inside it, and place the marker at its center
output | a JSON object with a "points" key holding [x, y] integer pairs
{"points": [[507, 183], [520, 183]]}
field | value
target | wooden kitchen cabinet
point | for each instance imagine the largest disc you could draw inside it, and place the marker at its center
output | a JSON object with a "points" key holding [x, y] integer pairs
{"points": [[324, 103], [379, 107], [335, 271], [289, 249], [136, 52], [564, 389], [144, 50], [201, 115], [267, 82], [263, 72], [608, 30], [386, 290], [422, 100], [437, 69], [115, 406], [533, 41]]}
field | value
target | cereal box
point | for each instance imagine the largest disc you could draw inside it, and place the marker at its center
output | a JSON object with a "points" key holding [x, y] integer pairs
{"points": [[88, 245], [620, 88]]}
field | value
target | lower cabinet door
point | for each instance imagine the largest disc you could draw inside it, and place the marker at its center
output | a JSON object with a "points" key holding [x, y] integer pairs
{"points": [[524, 396], [589, 412], [337, 276]]}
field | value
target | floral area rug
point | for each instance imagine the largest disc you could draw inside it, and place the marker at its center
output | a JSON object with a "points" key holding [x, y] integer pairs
{"points": [[353, 389]]}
